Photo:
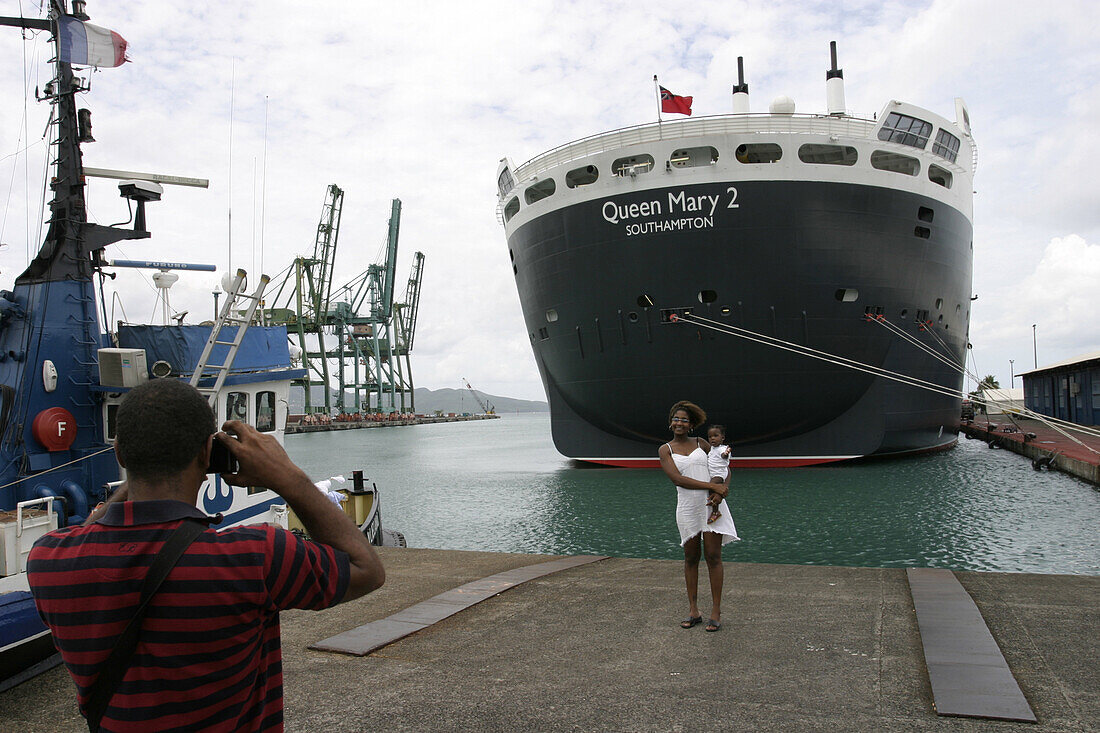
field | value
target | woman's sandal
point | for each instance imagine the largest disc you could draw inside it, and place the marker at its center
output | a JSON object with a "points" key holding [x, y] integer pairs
{"points": [[690, 621], [713, 625]]}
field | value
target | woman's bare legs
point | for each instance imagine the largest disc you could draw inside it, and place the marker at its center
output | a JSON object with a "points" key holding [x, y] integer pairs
{"points": [[712, 550], [692, 552]]}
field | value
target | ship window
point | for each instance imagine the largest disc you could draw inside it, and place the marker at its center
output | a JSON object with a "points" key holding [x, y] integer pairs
{"points": [[539, 191], [847, 295], [939, 175], [925, 214], [692, 157], [939, 303], [632, 316], [505, 182], [511, 209], [265, 412], [885, 161], [827, 154], [633, 165], [581, 176], [551, 315], [758, 153], [236, 406], [946, 145], [922, 232], [905, 130], [707, 296], [904, 312], [544, 334]]}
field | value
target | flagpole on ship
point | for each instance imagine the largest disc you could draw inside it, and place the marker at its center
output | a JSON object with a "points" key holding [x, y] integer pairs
{"points": [[657, 91]]}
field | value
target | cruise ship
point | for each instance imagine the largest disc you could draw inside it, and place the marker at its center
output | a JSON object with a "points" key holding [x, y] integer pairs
{"points": [[805, 278]]}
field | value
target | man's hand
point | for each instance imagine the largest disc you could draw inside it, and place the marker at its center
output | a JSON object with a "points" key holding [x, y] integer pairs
{"points": [[263, 461]]}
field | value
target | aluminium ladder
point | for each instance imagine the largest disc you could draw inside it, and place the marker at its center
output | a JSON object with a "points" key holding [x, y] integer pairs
{"points": [[204, 369]]}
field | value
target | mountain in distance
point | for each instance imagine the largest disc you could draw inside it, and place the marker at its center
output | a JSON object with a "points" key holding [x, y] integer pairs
{"points": [[429, 400], [461, 400]]}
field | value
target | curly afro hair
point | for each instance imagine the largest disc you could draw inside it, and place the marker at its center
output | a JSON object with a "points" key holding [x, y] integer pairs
{"points": [[698, 417]]}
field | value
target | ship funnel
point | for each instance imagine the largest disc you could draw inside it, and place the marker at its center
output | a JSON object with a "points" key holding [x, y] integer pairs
{"points": [[741, 89], [834, 85]]}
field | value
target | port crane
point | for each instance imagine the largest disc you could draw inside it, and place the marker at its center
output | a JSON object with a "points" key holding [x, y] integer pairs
{"points": [[352, 327], [486, 406]]}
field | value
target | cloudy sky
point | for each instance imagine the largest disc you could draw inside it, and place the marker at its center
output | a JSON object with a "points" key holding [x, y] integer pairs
{"points": [[420, 100]]}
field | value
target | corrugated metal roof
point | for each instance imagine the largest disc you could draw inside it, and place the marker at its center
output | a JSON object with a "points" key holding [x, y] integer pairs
{"points": [[1091, 356]]}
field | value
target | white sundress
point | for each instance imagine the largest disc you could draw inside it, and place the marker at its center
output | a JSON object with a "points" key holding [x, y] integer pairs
{"points": [[691, 504]]}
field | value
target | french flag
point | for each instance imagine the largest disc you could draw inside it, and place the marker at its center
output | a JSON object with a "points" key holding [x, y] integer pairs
{"points": [[84, 44]]}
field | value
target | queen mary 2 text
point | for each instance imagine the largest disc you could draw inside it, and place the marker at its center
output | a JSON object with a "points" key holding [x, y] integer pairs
{"points": [[676, 211]]}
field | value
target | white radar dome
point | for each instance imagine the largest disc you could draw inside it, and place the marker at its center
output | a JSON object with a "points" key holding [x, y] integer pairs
{"points": [[782, 105]]}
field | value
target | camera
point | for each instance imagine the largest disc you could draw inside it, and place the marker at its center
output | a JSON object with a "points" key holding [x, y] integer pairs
{"points": [[221, 460]]}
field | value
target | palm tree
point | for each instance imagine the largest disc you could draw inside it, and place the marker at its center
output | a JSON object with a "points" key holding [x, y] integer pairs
{"points": [[988, 382]]}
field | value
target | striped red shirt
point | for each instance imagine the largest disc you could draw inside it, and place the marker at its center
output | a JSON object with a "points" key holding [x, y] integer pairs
{"points": [[208, 656]]}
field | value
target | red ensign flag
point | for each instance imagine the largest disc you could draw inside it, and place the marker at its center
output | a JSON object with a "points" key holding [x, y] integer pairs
{"points": [[673, 103]]}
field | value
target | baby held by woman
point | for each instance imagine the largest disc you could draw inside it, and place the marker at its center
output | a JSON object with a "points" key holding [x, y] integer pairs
{"points": [[718, 462]]}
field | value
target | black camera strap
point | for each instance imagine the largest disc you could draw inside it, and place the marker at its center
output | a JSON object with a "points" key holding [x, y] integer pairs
{"points": [[114, 669]]}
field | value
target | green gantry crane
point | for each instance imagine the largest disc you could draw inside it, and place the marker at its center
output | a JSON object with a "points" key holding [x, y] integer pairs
{"points": [[368, 334]]}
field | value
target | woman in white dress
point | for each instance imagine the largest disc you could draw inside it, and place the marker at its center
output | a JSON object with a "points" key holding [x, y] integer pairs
{"points": [[684, 461]]}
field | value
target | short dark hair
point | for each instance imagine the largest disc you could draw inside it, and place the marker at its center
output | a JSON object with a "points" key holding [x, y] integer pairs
{"points": [[161, 426], [719, 428], [698, 417]]}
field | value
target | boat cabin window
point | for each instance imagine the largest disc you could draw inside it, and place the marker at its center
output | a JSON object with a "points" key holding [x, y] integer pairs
{"points": [[581, 176], [511, 209], [946, 145], [758, 153], [886, 161], [939, 175], [236, 406], [905, 130], [265, 412], [633, 165], [827, 154], [539, 191], [692, 157], [505, 182]]}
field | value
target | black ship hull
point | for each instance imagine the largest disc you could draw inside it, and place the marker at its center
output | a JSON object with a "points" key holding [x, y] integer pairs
{"points": [[801, 261]]}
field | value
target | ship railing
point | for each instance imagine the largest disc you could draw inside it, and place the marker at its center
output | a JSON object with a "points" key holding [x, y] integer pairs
{"points": [[740, 124]]}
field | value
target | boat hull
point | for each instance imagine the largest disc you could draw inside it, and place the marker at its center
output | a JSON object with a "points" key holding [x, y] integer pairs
{"points": [[801, 261]]}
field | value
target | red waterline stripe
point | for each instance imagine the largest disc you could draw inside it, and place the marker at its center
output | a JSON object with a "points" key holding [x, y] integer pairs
{"points": [[761, 462]]}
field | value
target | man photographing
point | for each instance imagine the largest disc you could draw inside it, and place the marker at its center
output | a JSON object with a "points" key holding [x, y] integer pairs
{"points": [[207, 655]]}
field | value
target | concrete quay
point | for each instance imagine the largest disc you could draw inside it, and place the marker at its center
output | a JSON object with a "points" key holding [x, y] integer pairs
{"points": [[598, 648], [294, 428], [1079, 456]]}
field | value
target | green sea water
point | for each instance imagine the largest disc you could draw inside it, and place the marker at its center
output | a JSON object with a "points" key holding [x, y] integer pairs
{"points": [[499, 485]]}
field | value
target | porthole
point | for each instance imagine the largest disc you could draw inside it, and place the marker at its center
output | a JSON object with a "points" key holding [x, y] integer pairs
{"points": [[904, 312], [693, 157], [633, 165], [925, 214], [827, 154], [707, 296], [941, 318], [511, 209], [939, 303], [581, 176], [895, 163], [922, 232], [758, 153], [539, 191], [847, 295], [551, 315], [632, 317], [939, 175], [958, 309], [725, 311]]}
